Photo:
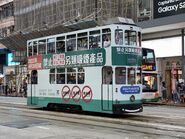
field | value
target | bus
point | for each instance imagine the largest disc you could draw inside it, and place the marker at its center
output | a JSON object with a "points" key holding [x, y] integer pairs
{"points": [[93, 70], [150, 79]]}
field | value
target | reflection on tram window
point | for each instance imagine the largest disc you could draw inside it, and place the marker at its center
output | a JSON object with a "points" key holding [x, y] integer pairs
{"points": [[120, 75]]}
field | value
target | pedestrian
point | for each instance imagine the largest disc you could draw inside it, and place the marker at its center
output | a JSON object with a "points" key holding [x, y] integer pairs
{"points": [[164, 92], [24, 87], [175, 93], [6, 89]]}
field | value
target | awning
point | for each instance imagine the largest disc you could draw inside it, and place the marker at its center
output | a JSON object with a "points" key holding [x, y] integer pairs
{"points": [[18, 42]]}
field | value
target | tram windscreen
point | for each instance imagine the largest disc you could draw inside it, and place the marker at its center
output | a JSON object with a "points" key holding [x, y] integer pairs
{"points": [[149, 82], [148, 56]]}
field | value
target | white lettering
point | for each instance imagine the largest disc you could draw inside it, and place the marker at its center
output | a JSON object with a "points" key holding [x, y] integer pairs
{"points": [[168, 8], [181, 5]]}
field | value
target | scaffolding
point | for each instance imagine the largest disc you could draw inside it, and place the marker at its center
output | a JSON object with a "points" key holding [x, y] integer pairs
{"points": [[33, 15]]}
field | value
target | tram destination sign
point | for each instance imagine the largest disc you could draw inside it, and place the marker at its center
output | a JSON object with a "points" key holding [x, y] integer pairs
{"points": [[83, 58], [130, 56], [163, 8]]}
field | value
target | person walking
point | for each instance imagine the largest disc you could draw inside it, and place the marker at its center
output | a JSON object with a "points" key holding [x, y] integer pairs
{"points": [[164, 92], [175, 92]]}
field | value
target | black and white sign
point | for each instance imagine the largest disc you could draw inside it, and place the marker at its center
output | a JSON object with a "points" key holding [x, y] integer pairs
{"points": [[163, 8]]}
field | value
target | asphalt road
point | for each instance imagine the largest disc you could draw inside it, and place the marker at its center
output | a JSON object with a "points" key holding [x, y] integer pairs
{"points": [[18, 122]]}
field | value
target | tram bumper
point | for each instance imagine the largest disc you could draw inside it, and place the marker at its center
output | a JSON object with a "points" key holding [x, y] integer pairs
{"points": [[127, 108]]}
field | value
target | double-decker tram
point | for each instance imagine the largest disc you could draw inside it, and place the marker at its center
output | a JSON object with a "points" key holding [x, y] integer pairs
{"points": [[94, 69], [149, 76]]}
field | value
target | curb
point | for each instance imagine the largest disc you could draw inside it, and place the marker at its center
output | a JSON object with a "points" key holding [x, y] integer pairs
{"points": [[165, 104]]}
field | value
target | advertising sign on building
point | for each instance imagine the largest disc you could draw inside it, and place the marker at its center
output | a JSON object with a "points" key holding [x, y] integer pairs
{"points": [[35, 62], [163, 8]]}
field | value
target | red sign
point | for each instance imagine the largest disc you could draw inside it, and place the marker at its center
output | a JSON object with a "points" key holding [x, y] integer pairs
{"points": [[35, 62], [87, 94], [65, 93], [76, 94]]}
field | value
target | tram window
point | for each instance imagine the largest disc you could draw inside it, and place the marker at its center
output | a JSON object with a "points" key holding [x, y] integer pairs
{"points": [[29, 50], [119, 36], [52, 76], [60, 44], [81, 76], [107, 75], [82, 42], [71, 76], [139, 39], [50, 45], [42, 46], [35, 48], [130, 37], [60, 75], [138, 77], [71, 42], [120, 73], [106, 38], [94, 39], [131, 76], [34, 77]]}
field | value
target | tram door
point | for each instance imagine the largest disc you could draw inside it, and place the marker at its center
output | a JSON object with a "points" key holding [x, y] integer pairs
{"points": [[33, 86], [107, 88]]}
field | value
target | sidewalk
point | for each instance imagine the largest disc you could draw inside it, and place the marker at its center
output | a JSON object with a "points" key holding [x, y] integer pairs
{"points": [[169, 103], [13, 100], [23, 101]]}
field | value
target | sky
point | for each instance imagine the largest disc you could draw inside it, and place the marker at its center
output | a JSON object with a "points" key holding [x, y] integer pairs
{"points": [[165, 47]]}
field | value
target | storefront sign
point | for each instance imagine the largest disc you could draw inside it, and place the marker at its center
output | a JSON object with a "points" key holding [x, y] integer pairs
{"points": [[148, 67], [35, 62], [163, 8]]}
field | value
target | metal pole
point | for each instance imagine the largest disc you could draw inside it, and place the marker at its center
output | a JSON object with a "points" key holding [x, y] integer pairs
{"points": [[183, 58]]}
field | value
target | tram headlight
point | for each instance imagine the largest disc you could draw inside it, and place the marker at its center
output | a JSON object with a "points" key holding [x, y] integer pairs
{"points": [[132, 98]]}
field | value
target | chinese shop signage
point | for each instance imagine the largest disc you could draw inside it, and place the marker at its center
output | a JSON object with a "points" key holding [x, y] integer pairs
{"points": [[163, 8], [74, 59], [130, 56], [35, 62]]}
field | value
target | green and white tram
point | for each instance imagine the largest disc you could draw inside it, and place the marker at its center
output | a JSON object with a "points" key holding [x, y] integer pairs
{"points": [[96, 69]]}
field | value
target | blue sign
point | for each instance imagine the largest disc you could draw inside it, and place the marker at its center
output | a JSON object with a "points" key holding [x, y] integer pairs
{"points": [[130, 90], [10, 62]]}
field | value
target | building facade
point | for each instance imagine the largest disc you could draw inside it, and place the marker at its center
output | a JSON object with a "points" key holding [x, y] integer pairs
{"points": [[163, 26]]}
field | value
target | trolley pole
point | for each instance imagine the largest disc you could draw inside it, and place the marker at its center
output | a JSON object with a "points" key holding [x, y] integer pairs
{"points": [[183, 57]]}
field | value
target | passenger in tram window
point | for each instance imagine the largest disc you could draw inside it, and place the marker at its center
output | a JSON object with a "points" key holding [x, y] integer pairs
{"points": [[60, 46], [108, 77], [119, 38], [61, 79], [80, 78], [107, 41], [71, 80]]}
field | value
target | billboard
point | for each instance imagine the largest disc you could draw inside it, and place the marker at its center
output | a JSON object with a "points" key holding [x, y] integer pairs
{"points": [[163, 8]]}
